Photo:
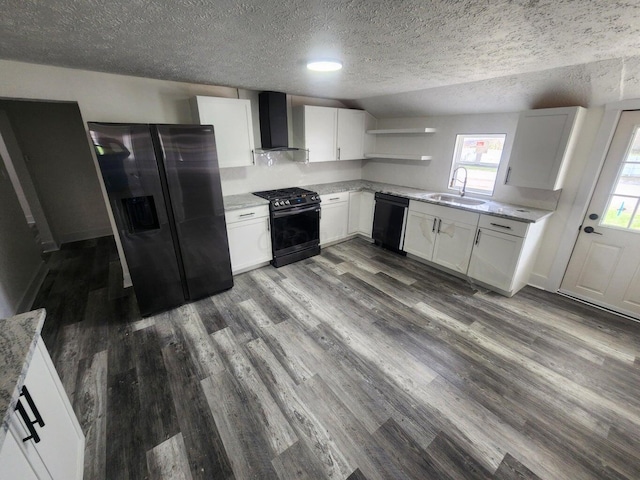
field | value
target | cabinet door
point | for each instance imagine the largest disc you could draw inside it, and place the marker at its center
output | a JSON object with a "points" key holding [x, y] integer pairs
{"points": [[350, 134], [495, 258], [61, 445], [249, 243], [367, 208], [542, 147], [355, 199], [233, 127], [13, 463], [420, 234], [320, 133], [453, 245], [334, 221]]}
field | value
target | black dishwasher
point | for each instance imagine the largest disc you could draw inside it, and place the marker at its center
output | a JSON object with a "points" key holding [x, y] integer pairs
{"points": [[389, 220]]}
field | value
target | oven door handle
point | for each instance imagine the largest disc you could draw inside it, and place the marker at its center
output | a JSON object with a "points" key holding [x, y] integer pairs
{"points": [[295, 211]]}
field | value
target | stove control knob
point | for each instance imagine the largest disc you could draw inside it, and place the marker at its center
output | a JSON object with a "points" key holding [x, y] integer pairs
{"points": [[277, 204], [287, 202]]}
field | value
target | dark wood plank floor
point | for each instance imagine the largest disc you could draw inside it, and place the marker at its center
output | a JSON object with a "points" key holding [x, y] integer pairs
{"points": [[354, 364]]}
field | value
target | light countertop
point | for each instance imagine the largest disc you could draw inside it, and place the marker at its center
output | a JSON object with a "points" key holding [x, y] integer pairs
{"points": [[18, 337], [490, 207]]}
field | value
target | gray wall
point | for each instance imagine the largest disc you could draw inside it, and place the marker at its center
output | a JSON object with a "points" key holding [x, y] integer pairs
{"points": [[53, 139], [20, 264]]}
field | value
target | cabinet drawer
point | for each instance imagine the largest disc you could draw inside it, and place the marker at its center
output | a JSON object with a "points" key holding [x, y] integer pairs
{"points": [[450, 213], [335, 197], [504, 225], [247, 213]]}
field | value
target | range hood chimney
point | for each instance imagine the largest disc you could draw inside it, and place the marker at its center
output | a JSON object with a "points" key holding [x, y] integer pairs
{"points": [[274, 131]]}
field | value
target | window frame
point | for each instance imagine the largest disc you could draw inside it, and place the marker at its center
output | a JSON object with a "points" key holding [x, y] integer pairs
{"points": [[457, 153]]}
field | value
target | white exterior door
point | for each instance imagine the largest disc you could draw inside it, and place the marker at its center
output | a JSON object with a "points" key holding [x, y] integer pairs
{"points": [[605, 265]]}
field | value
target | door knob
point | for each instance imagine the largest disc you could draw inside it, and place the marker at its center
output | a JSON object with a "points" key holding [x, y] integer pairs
{"points": [[591, 230], [593, 216]]}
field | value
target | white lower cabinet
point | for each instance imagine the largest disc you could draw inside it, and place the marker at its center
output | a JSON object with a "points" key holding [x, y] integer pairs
{"points": [[13, 462], [249, 235], [504, 253], [441, 235], [361, 207], [334, 217], [495, 258], [56, 447]]}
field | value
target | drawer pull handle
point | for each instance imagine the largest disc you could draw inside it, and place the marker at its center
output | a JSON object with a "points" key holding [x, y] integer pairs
{"points": [[25, 417], [501, 226], [247, 214], [334, 198]]}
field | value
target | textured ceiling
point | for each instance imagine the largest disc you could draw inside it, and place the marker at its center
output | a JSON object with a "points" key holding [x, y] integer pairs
{"points": [[388, 47]]}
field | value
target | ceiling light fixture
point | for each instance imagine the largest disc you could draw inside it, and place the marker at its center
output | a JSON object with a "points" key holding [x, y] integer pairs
{"points": [[324, 65]]}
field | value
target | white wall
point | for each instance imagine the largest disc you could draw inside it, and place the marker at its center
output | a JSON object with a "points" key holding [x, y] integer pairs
{"points": [[59, 162], [21, 267], [434, 175]]}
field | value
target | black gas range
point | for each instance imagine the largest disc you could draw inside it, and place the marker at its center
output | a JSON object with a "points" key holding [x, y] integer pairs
{"points": [[295, 224]]}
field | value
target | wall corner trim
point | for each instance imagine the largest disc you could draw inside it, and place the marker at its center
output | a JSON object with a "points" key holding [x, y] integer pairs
{"points": [[32, 290]]}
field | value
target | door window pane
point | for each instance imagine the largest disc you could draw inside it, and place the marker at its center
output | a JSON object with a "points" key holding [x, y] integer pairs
{"points": [[621, 211]]}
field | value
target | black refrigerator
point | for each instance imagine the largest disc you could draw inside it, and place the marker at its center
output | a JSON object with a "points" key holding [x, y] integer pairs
{"points": [[163, 183]]}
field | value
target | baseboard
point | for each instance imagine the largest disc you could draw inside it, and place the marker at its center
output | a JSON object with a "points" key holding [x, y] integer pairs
{"points": [[538, 281], [32, 290], [85, 235]]}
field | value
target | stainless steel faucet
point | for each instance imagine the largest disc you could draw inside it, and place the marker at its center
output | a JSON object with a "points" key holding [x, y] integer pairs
{"points": [[464, 183]]}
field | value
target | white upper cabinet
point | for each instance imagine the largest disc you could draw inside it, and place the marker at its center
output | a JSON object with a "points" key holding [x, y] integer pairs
{"points": [[232, 123], [329, 133], [543, 146], [350, 134]]}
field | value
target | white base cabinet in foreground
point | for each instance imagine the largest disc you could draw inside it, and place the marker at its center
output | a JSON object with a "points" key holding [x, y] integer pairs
{"points": [[334, 217], [504, 253], [44, 440], [361, 208], [441, 235], [249, 235]]}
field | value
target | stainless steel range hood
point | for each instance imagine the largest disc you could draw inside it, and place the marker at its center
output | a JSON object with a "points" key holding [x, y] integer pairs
{"points": [[274, 131]]}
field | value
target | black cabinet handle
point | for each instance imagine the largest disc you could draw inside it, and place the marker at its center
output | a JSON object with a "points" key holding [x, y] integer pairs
{"points": [[501, 226], [25, 416], [433, 229], [478, 236], [439, 224], [506, 179]]}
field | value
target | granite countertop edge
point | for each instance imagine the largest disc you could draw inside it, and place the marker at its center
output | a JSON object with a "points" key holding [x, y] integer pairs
{"points": [[18, 337], [490, 207]]}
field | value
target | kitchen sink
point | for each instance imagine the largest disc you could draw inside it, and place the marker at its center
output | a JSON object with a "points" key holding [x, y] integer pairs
{"points": [[446, 198]]}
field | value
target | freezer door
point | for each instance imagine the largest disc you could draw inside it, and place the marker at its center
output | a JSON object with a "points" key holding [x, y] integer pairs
{"points": [[193, 178], [132, 180]]}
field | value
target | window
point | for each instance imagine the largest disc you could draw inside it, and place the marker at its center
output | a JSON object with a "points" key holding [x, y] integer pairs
{"points": [[480, 155], [622, 208]]}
